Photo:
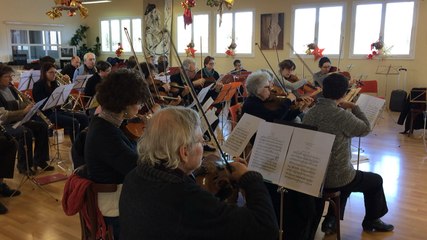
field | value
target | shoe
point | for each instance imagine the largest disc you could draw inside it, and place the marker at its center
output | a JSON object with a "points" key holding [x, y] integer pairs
{"points": [[44, 167], [30, 172], [329, 225], [5, 191], [3, 208], [376, 225], [208, 148]]}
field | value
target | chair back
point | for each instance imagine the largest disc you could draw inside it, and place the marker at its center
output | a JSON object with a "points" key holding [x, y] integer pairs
{"points": [[235, 114], [369, 86]]}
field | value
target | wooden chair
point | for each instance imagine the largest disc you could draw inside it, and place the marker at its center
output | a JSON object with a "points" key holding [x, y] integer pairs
{"points": [[235, 114], [369, 86], [91, 199], [334, 200]]}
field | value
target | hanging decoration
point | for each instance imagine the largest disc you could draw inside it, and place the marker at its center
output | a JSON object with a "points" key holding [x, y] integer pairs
{"points": [[187, 5], [72, 6], [190, 51], [119, 50], [220, 5], [313, 49], [231, 49], [378, 49]]}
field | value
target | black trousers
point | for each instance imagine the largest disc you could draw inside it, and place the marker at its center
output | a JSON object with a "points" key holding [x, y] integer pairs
{"points": [[371, 185], [7, 156], [72, 123], [24, 135]]}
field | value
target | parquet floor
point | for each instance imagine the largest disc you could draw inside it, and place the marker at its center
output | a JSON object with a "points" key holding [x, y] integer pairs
{"points": [[401, 160]]}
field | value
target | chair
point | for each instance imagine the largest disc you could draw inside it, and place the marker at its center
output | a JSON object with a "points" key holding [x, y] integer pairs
{"points": [[369, 86], [334, 200], [91, 199], [235, 114]]}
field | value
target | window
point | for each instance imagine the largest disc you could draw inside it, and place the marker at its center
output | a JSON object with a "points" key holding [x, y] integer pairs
{"points": [[113, 33], [318, 24], [35, 44], [383, 24], [237, 26], [198, 30]]}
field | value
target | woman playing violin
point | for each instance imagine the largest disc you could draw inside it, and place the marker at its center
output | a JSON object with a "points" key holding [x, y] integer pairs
{"points": [[161, 200], [287, 68], [325, 67]]}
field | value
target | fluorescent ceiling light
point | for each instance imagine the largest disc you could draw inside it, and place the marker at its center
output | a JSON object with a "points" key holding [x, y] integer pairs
{"points": [[96, 1]]}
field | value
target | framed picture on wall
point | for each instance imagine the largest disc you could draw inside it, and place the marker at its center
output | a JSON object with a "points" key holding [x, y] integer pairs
{"points": [[272, 28], [67, 52]]}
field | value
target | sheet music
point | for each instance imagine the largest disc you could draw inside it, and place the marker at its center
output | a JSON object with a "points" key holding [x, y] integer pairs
{"points": [[27, 79], [81, 80], [29, 114], [202, 94], [371, 106], [241, 134], [270, 147], [59, 96], [210, 115], [207, 104], [306, 161]]}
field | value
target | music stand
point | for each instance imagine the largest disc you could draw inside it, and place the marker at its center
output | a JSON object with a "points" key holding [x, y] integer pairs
{"points": [[28, 79], [57, 98], [387, 70], [79, 84], [27, 176]]}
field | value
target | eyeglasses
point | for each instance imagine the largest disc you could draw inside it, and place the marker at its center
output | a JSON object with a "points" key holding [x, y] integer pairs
{"points": [[8, 76]]}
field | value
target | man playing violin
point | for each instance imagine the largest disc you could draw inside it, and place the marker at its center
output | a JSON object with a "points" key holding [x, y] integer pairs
{"points": [[161, 199]]}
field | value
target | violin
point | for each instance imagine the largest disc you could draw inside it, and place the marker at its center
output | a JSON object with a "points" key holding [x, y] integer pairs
{"points": [[334, 69], [307, 89]]}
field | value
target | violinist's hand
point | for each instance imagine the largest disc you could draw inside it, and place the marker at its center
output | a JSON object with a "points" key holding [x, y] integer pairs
{"points": [[291, 97], [167, 87], [175, 102], [66, 78], [305, 103], [347, 105], [156, 107], [185, 91], [240, 160], [351, 82], [238, 169], [28, 108], [218, 86], [199, 82]]}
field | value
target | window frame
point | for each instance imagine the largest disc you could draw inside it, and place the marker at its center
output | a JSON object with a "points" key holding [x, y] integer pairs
{"points": [[122, 37], [316, 27], [233, 33], [31, 58], [411, 54], [198, 53]]}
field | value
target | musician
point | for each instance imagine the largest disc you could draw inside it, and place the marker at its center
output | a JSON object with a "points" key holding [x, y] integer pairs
{"points": [[237, 67], [7, 161], [330, 115], [161, 200], [190, 67], [287, 68], [109, 154], [104, 68], [88, 67], [72, 122], [71, 67], [162, 64], [13, 110], [258, 86], [325, 67], [208, 70], [150, 71]]}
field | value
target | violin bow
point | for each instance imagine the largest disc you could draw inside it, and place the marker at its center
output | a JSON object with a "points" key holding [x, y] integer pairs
{"points": [[271, 68], [199, 107], [339, 56], [278, 62], [151, 102], [300, 58]]}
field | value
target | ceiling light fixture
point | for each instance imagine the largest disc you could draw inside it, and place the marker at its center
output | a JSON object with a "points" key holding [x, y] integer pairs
{"points": [[72, 6]]}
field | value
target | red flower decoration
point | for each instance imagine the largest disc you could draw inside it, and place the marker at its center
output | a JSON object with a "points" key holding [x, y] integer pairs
{"points": [[187, 5], [317, 53], [119, 50]]}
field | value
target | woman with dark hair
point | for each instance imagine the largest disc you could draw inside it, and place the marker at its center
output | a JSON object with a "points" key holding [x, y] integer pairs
{"points": [[325, 67], [72, 122], [109, 154], [331, 115], [287, 68]]}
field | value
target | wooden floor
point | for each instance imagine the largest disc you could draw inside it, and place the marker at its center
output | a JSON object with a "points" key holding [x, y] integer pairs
{"points": [[401, 160]]}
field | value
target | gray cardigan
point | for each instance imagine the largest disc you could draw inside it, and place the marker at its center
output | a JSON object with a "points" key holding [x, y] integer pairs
{"points": [[330, 118]]}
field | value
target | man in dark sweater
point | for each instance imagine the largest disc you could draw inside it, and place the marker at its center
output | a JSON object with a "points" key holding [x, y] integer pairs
{"points": [[70, 68]]}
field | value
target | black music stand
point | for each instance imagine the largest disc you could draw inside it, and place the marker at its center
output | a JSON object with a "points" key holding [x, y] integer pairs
{"points": [[27, 176], [58, 98], [79, 85], [28, 79]]}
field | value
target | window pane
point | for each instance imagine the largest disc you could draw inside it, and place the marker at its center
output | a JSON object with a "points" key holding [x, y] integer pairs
{"points": [[201, 29], [397, 30], [136, 35], [330, 21], [36, 37], [37, 52], [19, 36], [125, 41], [183, 35], [224, 34], [115, 34], [367, 29], [52, 51], [304, 27], [105, 36], [20, 50], [243, 35]]}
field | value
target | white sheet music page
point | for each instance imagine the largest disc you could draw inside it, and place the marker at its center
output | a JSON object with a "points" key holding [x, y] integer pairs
{"points": [[202, 94], [371, 106], [270, 147], [306, 162], [241, 134]]}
